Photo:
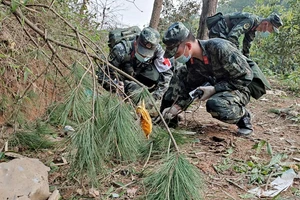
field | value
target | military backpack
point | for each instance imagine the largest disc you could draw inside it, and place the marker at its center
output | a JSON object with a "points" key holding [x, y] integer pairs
{"points": [[127, 34]]}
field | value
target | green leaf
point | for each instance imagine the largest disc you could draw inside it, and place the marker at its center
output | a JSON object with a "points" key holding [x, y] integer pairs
{"points": [[3, 55], [258, 146], [247, 196], [276, 159], [250, 164], [2, 155], [229, 151], [25, 2], [14, 5], [26, 73], [269, 149]]}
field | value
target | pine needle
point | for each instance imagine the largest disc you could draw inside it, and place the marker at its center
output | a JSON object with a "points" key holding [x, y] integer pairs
{"points": [[87, 159], [32, 137], [161, 139], [175, 179], [121, 135]]}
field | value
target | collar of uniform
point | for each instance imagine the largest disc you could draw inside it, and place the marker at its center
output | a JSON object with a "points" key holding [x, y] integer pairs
{"points": [[204, 53]]}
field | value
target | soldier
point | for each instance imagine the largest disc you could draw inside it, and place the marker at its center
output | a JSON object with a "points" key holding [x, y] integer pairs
{"points": [[142, 58], [219, 62], [233, 25]]}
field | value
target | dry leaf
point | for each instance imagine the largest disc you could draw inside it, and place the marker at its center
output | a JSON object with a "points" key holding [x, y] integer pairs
{"points": [[94, 192], [131, 192]]}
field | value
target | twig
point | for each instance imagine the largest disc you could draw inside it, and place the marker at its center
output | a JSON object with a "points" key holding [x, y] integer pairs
{"points": [[216, 170], [235, 184], [6, 146], [228, 194], [269, 178], [150, 151]]}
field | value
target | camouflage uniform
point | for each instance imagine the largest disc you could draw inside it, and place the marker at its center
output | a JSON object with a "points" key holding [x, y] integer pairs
{"points": [[233, 25], [240, 23], [227, 69], [156, 73]]}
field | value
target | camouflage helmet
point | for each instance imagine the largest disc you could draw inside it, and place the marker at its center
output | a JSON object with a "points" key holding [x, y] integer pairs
{"points": [[275, 20], [147, 42], [173, 37]]}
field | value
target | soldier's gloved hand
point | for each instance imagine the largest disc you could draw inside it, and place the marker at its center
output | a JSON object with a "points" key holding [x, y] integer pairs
{"points": [[208, 91], [171, 112], [120, 85]]}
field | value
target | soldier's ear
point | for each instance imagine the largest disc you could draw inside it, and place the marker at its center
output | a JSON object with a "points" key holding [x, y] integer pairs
{"points": [[189, 45]]}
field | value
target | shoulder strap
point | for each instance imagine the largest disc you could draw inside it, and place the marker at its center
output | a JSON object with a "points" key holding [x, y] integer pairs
{"points": [[127, 46]]}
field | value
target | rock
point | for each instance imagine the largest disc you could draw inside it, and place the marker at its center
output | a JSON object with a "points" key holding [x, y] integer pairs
{"points": [[24, 179], [55, 195]]}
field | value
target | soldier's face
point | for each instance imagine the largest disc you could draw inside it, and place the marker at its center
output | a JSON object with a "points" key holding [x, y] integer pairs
{"points": [[182, 49], [270, 27], [266, 26]]}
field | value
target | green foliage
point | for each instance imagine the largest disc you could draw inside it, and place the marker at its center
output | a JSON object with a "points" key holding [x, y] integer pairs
{"points": [[33, 136], [121, 135], [279, 52], [226, 6], [14, 5], [88, 158], [258, 172], [2, 155], [160, 139], [186, 12], [258, 146], [224, 165], [175, 179]]}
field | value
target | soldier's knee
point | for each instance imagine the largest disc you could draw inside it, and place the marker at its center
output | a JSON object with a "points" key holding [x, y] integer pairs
{"points": [[216, 108], [130, 86], [212, 105]]}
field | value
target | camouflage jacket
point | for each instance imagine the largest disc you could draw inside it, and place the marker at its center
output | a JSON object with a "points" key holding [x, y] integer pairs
{"points": [[223, 64], [157, 69], [242, 23]]}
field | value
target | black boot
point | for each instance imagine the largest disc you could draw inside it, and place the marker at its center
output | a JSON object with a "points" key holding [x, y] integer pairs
{"points": [[245, 126]]}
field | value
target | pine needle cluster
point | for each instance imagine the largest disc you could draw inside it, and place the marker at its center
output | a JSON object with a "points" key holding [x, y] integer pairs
{"points": [[175, 179], [160, 139], [32, 136], [104, 124]]}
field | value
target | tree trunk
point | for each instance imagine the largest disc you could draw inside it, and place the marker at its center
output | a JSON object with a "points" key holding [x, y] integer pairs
{"points": [[209, 8], [157, 6]]}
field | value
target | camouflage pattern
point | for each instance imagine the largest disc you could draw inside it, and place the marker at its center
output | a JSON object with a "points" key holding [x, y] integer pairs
{"points": [[148, 41], [226, 68], [176, 34], [275, 21], [240, 23], [150, 73]]}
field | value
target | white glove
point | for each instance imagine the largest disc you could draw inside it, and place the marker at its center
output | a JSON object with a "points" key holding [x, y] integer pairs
{"points": [[171, 112], [208, 91]]}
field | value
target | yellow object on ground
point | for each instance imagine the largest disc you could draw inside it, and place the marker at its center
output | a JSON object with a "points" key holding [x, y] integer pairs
{"points": [[146, 121]]}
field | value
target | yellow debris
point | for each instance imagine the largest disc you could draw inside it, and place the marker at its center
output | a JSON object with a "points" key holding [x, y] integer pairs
{"points": [[146, 121]]}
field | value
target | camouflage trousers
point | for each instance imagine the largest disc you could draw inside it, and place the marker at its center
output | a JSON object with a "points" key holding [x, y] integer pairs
{"points": [[226, 106]]}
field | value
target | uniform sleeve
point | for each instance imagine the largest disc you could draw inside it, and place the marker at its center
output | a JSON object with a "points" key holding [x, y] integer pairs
{"points": [[163, 66], [247, 43], [235, 64], [163, 84], [117, 55], [241, 28], [181, 85]]}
